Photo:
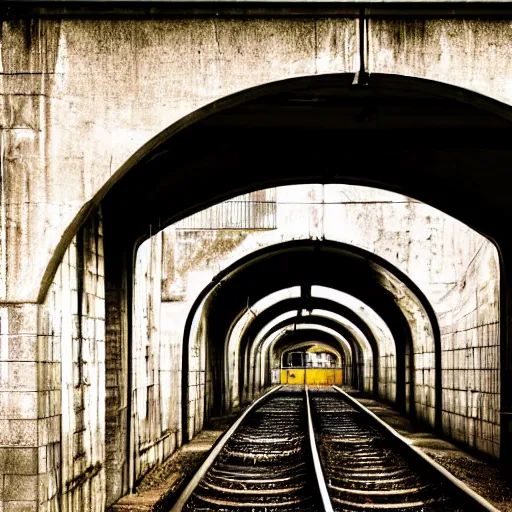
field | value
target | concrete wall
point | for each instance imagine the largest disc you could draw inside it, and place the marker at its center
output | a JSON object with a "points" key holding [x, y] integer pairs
{"points": [[155, 403], [54, 432], [469, 53], [158, 328], [424, 367], [471, 353], [22, 390], [200, 384], [61, 109], [71, 426], [62, 116], [421, 383], [381, 332]]}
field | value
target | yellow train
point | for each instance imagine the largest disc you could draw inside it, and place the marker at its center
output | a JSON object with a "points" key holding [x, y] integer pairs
{"points": [[296, 369]]}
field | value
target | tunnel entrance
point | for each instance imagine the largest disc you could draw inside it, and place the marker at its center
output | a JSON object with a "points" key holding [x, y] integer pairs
{"points": [[312, 130]]}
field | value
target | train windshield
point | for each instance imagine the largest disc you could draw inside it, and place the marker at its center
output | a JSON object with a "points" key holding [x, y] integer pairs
{"points": [[295, 359]]}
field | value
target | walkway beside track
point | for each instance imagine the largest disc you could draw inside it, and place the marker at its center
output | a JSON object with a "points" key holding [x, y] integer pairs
{"points": [[167, 480]]}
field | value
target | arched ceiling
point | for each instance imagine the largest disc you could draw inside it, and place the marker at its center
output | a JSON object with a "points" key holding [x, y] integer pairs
{"points": [[257, 323], [307, 262], [409, 124], [305, 321], [306, 344], [409, 135], [284, 338], [310, 334], [273, 346]]}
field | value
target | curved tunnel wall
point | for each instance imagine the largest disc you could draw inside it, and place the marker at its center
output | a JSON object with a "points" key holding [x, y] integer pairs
{"points": [[457, 420], [353, 352], [471, 352], [112, 456], [251, 324], [305, 344], [307, 335], [315, 257], [305, 332], [387, 360]]}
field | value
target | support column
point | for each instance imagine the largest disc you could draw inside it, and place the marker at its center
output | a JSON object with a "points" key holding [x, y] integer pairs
{"points": [[29, 431], [117, 370]]}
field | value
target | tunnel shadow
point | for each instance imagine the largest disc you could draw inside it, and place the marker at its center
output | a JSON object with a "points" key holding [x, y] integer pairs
{"points": [[289, 132]]}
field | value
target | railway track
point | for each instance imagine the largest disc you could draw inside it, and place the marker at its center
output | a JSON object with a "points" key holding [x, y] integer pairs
{"points": [[318, 450], [363, 469], [264, 465]]}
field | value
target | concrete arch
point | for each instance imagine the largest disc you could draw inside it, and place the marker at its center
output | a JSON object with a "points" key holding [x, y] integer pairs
{"points": [[312, 334], [255, 323], [188, 167], [387, 368], [306, 344], [334, 319], [237, 278], [284, 339], [360, 347], [260, 346], [486, 111], [351, 355], [347, 324]]}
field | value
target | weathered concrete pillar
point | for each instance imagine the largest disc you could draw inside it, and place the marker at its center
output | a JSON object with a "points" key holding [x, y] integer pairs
{"points": [[29, 408], [117, 398], [30, 383]]}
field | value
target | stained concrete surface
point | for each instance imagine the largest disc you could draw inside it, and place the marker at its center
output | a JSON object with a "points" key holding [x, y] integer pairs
{"points": [[163, 484]]}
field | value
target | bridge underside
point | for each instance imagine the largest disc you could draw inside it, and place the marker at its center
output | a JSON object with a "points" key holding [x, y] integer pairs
{"points": [[380, 134], [95, 393]]}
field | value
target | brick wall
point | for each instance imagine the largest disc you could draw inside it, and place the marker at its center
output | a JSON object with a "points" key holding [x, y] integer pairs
{"points": [[72, 382], [52, 382], [23, 397], [471, 354], [423, 383]]}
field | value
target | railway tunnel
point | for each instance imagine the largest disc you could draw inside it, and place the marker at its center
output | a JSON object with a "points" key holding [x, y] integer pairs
{"points": [[316, 262], [257, 322], [370, 257]]}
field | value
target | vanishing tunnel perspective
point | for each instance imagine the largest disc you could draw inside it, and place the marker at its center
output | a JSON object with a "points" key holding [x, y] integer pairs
{"points": [[294, 296], [254, 277], [317, 286]]}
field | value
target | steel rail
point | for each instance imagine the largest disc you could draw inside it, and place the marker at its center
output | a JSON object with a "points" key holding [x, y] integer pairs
{"points": [[201, 472], [320, 477], [477, 501]]}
